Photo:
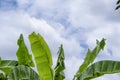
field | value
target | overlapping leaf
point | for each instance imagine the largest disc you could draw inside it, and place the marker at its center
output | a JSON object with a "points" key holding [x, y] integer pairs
{"points": [[3, 77], [7, 65], [42, 56], [60, 66], [22, 72], [24, 58]]}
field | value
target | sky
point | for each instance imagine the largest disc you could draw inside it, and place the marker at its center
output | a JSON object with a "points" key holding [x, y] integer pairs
{"points": [[74, 23]]}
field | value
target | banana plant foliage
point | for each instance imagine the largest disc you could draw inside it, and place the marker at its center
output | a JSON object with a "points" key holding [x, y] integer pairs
{"points": [[99, 69], [24, 58], [3, 77], [23, 72], [89, 70], [22, 68], [7, 65], [60, 66], [118, 5], [42, 56]]}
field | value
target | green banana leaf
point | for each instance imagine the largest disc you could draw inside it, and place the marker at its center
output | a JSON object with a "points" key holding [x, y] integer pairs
{"points": [[6, 65], [42, 56], [99, 69], [22, 72], [24, 58], [60, 66], [90, 56], [3, 77]]}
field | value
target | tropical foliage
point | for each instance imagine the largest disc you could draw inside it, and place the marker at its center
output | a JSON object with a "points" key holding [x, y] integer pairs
{"points": [[118, 4], [25, 68]]}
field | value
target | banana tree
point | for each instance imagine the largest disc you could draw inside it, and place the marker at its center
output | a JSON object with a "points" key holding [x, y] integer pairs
{"points": [[89, 70], [22, 69]]}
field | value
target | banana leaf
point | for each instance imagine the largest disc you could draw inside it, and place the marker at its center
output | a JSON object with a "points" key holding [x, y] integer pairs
{"points": [[0, 60], [99, 69], [22, 72], [24, 58], [90, 56], [60, 66], [6, 65], [3, 77], [118, 5], [42, 56]]}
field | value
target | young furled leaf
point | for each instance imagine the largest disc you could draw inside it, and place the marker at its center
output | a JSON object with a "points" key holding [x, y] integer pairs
{"points": [[24, 58], [60, 66]]}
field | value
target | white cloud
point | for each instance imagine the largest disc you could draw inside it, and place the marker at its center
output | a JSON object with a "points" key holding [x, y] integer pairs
{"points": [[67, 22]]}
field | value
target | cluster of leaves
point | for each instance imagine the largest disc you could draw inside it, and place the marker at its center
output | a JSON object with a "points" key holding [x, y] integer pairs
{"points": [[89, 70], [118, 4], [22, 69]]}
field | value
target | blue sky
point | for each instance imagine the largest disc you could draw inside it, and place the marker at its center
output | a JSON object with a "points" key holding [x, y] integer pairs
{"points": [[76, 24]]}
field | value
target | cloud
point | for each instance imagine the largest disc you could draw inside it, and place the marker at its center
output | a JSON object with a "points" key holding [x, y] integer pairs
{"points": [[75, 24]]}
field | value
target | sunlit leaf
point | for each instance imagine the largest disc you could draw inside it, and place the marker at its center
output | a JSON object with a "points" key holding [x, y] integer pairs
{"points": [[42, 56], [24, 58]]}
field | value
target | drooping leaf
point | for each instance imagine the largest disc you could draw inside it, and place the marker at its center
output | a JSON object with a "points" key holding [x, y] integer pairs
{"points": [[90, 56], [24, 58], [99, 69], [42, 56], [22, 72], [6, 65], [60, 66]]}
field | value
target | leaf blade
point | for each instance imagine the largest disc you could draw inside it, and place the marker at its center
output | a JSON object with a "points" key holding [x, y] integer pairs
{"points": [[24, 58], [99, 69], [22, 72], [6, 65], [60, 66], [90, 56], [42, 56]]}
